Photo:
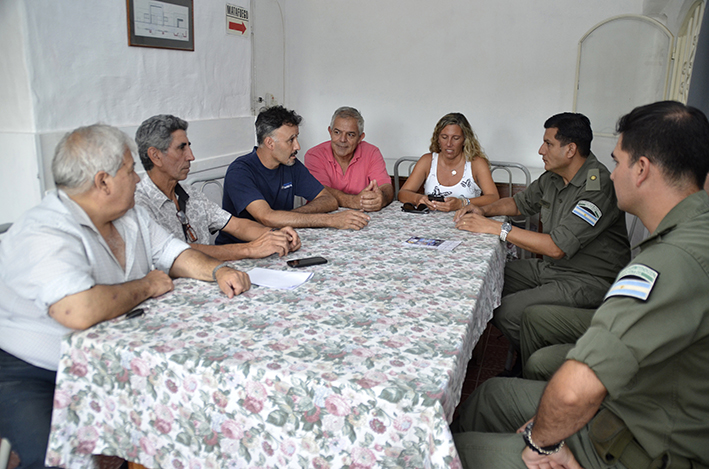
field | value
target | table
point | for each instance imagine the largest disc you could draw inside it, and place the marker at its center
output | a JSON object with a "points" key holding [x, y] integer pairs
{"points": [[362, 366]]}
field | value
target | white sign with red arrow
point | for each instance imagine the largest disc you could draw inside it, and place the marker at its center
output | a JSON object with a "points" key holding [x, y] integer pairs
{"points": [[237, 20]]}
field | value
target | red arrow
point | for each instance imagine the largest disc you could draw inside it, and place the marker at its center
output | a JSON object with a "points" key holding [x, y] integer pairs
{"points": [[238, 27]]}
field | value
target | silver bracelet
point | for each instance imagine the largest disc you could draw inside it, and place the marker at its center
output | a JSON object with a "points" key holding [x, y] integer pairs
{"points": [[465, 201], [214, 272]]}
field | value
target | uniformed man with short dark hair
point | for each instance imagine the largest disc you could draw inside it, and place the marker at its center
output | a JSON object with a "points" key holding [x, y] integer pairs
{"points": [[584, 241], [632, 393]]}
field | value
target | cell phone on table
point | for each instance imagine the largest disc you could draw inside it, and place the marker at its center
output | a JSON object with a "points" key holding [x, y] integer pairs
{"points": [[410, 208], [306, 262], [436, 198]]}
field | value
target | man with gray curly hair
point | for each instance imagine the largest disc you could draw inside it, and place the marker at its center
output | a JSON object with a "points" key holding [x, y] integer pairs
{"points": [[83, 256]]}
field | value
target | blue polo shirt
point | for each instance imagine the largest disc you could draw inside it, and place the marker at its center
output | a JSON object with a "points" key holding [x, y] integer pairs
{"points": [[247, 180]]}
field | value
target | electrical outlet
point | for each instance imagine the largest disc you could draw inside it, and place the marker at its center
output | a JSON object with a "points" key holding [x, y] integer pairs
{"points": [[270, 100]]}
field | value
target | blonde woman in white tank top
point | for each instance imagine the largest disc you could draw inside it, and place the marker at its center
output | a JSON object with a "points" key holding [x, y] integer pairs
{"points": [[466, 187], [456, 172]]}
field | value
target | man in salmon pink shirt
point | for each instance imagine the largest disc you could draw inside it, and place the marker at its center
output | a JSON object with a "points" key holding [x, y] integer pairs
{"points": [[352, 170]]}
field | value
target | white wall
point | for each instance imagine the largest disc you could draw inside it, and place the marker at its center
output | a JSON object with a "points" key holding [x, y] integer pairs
{"points": [[19, 183], [507, 65], [268, 26], [698, 89], [15, 92], [92, 74], [68, 63]]}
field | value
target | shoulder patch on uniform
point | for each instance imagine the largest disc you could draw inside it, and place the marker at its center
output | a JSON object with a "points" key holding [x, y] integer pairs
{"points": [[588, 212], [635, 281], [593, 180]]}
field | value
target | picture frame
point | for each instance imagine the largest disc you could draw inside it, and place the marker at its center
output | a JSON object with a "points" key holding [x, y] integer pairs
{"points": [[162, 24]]}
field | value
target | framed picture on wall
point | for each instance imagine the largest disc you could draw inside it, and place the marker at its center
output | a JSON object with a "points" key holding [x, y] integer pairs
{"points": [[165, 24]]}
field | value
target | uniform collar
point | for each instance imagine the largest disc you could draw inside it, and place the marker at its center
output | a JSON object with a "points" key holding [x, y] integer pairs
{"points": [[579, 178], [691, 207]]}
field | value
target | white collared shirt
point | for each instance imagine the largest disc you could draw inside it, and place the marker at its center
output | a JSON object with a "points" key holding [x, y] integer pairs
{"points": [[53, 251]]}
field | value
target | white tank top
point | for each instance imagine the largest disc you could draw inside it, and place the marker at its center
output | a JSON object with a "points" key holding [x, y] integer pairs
{"points": [[465, 187]]}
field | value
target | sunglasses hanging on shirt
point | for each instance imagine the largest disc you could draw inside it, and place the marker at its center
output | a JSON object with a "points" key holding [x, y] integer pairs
{"points": [[190, 235], [182, 197]]}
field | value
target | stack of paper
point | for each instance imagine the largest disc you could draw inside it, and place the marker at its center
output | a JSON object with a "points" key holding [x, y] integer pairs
{"points": [[281, 279]]}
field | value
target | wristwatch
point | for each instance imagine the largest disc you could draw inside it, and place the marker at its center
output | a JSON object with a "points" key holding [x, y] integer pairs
{"points": [[506, 228], [543, 450]]}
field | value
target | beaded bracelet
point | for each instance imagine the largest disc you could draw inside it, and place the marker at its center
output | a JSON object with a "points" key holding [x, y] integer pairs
{"points": [[214, 272], [545, 450]]}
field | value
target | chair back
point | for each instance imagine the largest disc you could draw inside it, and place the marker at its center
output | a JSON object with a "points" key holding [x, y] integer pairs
{"points": [[509, 188], [508, 168], [410, 163], [213, 189]]}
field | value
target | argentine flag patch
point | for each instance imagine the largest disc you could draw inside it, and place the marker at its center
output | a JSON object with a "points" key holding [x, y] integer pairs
{"points": [[588, 212], [635, 281], [287, 185]]}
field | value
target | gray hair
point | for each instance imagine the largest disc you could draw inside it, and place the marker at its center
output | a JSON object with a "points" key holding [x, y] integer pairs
{"points": [[82, 153], [346, 112], [156, 132]]}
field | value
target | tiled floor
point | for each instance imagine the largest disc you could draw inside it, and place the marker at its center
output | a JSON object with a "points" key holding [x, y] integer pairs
{"points": [[488, 360]]}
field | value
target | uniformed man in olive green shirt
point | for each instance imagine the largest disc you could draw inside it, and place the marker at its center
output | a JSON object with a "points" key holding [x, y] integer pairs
{"points": [[633, 391], [584, 241]]}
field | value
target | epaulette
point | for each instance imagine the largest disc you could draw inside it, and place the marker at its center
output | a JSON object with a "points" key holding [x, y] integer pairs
{"points": [[593, 180]]}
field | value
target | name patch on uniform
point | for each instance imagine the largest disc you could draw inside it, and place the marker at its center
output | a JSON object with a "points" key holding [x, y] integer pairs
{"points": [[588, 212], [287, 185], [635, 281]]}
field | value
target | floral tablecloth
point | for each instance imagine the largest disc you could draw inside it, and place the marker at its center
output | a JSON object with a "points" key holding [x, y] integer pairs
{"points": [[362, 366]]}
